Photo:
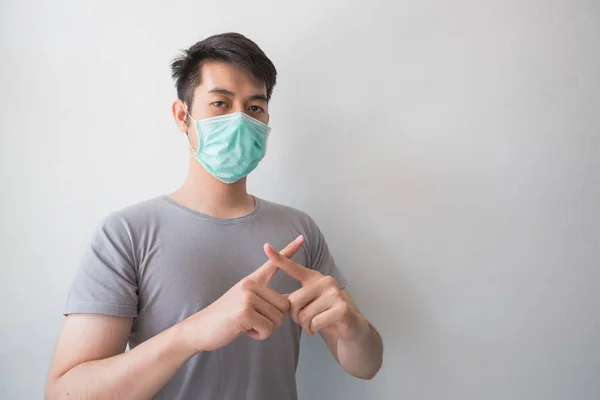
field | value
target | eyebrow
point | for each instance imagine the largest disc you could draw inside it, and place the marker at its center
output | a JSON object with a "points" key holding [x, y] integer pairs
{"points": [[226, 92], [259, 97]]}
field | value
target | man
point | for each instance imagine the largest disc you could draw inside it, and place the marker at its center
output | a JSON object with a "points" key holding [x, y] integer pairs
{"points": [[189, 281]]}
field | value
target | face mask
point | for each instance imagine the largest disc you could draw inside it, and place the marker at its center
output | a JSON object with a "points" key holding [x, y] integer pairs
{"points": [[230, 146]]}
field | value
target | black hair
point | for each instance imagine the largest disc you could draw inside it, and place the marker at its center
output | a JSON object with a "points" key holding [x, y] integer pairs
{"points": [[232, 48]]}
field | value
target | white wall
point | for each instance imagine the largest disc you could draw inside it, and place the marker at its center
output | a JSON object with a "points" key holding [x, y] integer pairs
{"points": [[449, 151]]}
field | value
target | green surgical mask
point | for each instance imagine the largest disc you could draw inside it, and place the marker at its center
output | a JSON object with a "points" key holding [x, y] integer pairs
{"points": [[230, 146]]}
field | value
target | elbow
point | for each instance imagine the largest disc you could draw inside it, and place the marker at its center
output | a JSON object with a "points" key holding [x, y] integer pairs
{"points": [[373, 371], [369, 377], [365, 377], [371, 374]]}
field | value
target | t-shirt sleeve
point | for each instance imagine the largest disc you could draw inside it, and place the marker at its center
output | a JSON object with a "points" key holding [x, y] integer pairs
{"points": [[106, 281], [320, 257]]}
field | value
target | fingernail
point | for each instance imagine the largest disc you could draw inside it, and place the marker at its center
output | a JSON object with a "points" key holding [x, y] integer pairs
{"points": [[299, 238]]}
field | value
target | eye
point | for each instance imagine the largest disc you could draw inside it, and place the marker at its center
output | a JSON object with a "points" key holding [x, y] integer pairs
{"points": [[256, 109], [219, 104]]}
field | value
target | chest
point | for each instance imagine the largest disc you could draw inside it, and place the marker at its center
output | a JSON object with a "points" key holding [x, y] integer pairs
{"points": [[179, 276]]}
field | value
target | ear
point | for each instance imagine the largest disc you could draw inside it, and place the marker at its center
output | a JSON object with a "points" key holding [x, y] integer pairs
{"points": [[179, 114]]}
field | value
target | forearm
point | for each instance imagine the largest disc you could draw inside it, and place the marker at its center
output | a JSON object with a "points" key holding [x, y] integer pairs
{"points": [[362, 358], [138, 374]]}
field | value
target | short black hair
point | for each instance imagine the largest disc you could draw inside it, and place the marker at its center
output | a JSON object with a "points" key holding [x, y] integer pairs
{"points": [[232, 48]]}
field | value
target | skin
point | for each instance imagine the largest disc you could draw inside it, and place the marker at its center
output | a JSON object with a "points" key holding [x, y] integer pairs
{"points": [[89, 360]]}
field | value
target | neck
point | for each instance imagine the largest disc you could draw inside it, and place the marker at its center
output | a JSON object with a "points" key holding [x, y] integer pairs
{"points": [[204, 193]]}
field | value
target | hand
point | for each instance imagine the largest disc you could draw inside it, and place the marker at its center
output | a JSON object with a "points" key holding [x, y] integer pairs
{"points": [[248, 307], [320, 305]]}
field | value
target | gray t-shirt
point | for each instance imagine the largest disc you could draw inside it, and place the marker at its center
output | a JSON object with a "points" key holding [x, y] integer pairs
{"points": [[161, 262]]}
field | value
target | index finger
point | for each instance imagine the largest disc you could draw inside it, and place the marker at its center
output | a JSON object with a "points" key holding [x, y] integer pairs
{"points": [[265, 272], [291, 268]]}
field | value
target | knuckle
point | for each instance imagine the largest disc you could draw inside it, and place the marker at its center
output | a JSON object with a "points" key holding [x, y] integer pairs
{"points": [[329, 280], [247, 308], [247, 297], [305, 323], [302, 317], [278, 318], [246, 284], [243, 312]]}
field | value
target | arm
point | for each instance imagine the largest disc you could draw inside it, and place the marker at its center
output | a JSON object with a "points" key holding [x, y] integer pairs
{"points": [[363, 356], [89, 362], [321, 306]]}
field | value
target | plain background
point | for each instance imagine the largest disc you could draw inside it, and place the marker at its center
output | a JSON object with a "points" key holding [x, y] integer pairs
{"points": [[449, 150]]}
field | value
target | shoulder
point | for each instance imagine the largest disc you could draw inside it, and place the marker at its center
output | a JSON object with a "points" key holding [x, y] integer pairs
{"points": [[134, 217], [139, 210], [282, 214], [276, 209]]}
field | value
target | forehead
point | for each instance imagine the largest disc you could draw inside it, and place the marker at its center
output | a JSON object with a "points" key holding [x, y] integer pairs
{"points": [[230, 77]]}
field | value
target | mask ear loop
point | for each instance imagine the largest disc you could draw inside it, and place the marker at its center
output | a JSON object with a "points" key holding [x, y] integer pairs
{"points": [[194, 152]]}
